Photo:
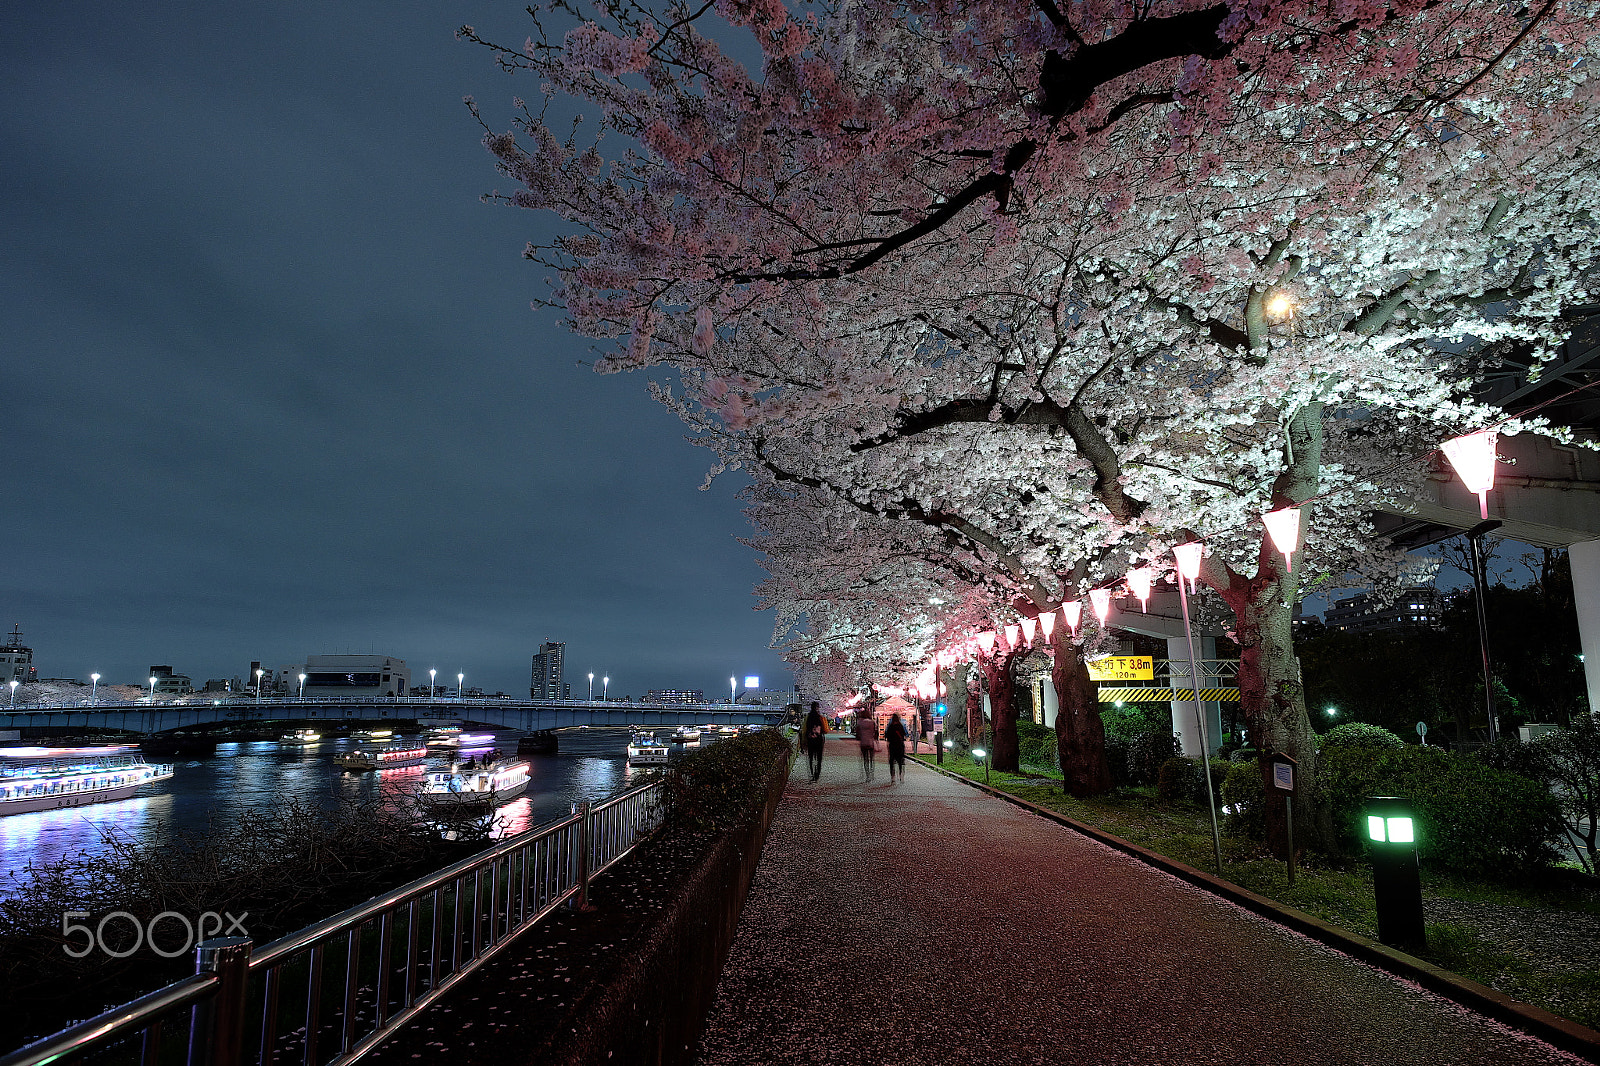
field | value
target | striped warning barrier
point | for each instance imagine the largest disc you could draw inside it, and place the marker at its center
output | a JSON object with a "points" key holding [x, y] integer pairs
{"points": [[1146, 694]]}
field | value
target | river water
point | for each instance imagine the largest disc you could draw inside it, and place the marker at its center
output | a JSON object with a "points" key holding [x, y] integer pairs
{"points": [[591, 765]]}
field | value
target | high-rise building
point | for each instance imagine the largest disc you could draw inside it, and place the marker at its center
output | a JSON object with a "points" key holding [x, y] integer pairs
{"points": [[675, 695], [547, 681], [1418, 606], [16, 661]]}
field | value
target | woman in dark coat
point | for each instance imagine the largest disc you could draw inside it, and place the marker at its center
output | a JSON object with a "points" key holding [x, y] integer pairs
{"points": [[814, 733], [895, 736]]}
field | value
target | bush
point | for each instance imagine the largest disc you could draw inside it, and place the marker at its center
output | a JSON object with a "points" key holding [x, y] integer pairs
{"points": [[1179, 780], [1571, 758], [1147, 753], [1359, 735], [1117, 748], [722, 786], [1243, 800], [1470, 816], [1036, 746]]}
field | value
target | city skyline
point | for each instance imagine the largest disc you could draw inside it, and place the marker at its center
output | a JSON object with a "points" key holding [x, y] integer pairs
{"points": [[274, 385]]}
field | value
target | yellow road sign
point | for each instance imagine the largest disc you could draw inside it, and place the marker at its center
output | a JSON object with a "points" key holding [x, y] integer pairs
{"points": [[1148, 694], [1123, 668]]}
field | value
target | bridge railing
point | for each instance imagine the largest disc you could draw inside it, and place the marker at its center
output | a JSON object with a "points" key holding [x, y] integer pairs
{"points": [[329, 993]]}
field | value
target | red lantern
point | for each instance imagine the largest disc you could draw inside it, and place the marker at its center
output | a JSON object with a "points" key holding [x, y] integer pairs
{"points": [[1100, 599], [1474, 458], [1139, 581], [1073, 613], [1188, 556]]}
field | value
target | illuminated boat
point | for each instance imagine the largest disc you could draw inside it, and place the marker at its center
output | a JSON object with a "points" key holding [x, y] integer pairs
{"points": [[645, 750], [300, 738], [469, 789], [373, 734], [686, 734], [380, 759], [445, 734], [47, 779]]}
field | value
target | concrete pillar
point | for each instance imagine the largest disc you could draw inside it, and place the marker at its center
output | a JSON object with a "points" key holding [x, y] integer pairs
{"points": [[1185, 723], [1585, 560], [1051, 701]]}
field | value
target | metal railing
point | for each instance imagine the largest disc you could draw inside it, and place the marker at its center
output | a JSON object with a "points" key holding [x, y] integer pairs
{"points": [[399, 952]]}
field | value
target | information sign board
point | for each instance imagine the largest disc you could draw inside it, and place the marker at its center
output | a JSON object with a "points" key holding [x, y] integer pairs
{"points": [[1123, 668], [1283, 768]]}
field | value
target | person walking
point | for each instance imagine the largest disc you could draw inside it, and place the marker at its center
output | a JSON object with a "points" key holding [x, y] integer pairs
{"points": [[815, 733], [867, 737], [895, 736]]}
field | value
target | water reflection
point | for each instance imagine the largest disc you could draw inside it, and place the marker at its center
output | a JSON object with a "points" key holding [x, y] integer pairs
{"points": [[591, 765]]}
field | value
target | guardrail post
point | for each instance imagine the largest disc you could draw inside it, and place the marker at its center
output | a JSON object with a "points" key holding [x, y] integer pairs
{"points": [[583, 858], [216, 1030]]}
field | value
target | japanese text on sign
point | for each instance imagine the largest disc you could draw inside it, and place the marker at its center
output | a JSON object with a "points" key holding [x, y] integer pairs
{"points": [[1123, 668]]}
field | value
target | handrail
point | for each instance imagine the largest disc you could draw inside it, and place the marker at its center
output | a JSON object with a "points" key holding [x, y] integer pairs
{"points": [[106, 1027], [425, 937]]}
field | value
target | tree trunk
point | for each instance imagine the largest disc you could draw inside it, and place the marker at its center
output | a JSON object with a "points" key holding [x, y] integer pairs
{"points": [[1003, 753], [975, 720], [955, 705], [1080, 734]]}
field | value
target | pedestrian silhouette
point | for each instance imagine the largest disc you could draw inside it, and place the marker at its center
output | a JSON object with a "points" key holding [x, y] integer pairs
{"points": [[867, 737], [895, 736], [815, 733]]}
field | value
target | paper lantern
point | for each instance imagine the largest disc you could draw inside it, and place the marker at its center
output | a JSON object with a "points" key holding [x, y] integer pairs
{"points": [[1028, 626], [1474, 458], [1283, 526], [1100, 599], [1013, 631], [1188, 556], [1073, 612], [1139, 581], [986, 642], [1047, 623]]}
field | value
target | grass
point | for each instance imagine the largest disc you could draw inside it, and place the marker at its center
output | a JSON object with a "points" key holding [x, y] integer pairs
{"points": [[1336, 891]]}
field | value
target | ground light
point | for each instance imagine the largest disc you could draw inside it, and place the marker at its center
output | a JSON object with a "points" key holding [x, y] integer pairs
{"points": [[940, 746], [1396, 882], [978, 754]]}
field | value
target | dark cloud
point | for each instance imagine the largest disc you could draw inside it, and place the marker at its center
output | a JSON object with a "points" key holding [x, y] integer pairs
{"points": [[272, 384]]}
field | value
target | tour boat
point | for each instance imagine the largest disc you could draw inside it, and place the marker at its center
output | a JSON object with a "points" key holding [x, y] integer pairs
{"points": [[445, 734], [728, 730], [47, 779], [380, 759], [686, 734], [373, 734], [300, 738], [486, 788], [645, 750]]}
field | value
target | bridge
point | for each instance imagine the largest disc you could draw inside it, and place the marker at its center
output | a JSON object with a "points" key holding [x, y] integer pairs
{"points": [[531, 716]]}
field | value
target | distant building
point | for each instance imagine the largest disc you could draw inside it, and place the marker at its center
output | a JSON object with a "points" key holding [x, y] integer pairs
{"points": [[354, 675], [675, 695], [547, 681], [169, 683], [16, 661], [1417, 606], [769, 697]]}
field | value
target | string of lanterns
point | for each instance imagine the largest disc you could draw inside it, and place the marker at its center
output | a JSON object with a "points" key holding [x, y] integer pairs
{"points": [[1472, 456]]}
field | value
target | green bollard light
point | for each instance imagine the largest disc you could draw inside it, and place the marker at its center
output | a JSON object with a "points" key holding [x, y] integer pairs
{"points": [[1396, 881]]}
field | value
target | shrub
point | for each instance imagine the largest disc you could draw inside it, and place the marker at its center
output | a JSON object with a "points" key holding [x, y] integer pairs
{"points": [[1147, 753], [1179, 780], [1243, 799], [1470, 816], [1036, 746], [1117, 748], [1359, 735], [721, 787], [1571, 758]]}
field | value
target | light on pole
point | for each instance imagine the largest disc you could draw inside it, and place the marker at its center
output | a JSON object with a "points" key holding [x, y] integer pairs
{"points": [[459, 679], [431, 692], [14, 692], [591, 686], [1188, 556], [259, 672], [733, 690], [605, 690], [94, 687], [302, 686], [152, 690]]}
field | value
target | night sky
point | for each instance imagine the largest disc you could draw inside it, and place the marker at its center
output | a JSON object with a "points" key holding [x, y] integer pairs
{"points": [[272, 385]]}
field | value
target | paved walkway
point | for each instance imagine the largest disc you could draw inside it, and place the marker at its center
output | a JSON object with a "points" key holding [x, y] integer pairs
{"points": [[925, 922]]}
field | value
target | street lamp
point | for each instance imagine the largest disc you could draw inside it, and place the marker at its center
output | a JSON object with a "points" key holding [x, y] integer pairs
{"points": [[302, 686], [459, 679], [1332, 711], [152, 689], [591, 686], [14, 692], [733, 690], [431, 691], [605, 690], [259, 672], [94, 687]]}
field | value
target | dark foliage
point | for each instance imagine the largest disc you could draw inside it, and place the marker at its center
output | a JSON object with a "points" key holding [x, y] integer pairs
{"points": [[721, 786]]}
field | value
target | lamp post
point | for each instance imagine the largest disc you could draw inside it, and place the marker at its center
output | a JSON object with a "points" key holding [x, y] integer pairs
{"points": [[259, 672], [1480, 586], [302, 686], [1189, 568], [733, 691], [14, 692], [152, 690], [605, 690], [431, 691], [459, 678], [94, 688], [591, 686]]}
